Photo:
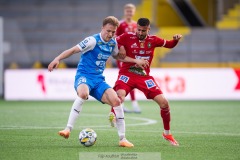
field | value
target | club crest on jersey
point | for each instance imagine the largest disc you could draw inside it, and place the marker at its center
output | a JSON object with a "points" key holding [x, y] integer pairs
{"points": [[150, 83], [124, 78], [149, 45]]}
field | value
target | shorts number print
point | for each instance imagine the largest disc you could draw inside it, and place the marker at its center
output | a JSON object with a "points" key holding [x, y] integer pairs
{"points": [[82, 80]]}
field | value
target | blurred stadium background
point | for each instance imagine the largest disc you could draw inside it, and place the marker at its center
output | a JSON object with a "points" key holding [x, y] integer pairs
{"points": [[35, 31]]}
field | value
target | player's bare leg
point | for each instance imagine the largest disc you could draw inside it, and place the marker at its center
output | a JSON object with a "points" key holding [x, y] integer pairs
{"points": [[165, 114], [75, 110], [110, 97]]}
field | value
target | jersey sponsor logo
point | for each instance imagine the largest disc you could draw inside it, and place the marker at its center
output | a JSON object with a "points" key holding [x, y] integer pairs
{"points": [[145, 57], [141, 52], [134, 45], [150, 83], [124, 78], [133, 37], [82, 45], [130, 33], [137, 70], [134, 51], [148, 52], [102, 56]]}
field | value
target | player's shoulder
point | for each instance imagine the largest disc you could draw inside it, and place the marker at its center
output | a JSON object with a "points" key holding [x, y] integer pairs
{"points": [[134, 22], [153, 37], [90, 39], [122, 21], [129, 35]]}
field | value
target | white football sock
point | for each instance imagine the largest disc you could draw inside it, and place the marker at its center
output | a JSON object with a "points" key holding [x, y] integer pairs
{"points": [[120, 122], [134, 103], [136, 106], [167, 132], [74, 113]]}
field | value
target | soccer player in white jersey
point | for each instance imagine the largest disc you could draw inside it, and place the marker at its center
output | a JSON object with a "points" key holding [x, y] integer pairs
{"points": [[89, 80]]}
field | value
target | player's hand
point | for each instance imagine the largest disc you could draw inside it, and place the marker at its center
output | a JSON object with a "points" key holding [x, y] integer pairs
{"points": [[177, 37], [122, 53], [142, 63], [53, 64]]}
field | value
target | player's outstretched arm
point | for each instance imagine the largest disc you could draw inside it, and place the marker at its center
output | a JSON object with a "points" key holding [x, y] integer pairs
{"points": [[174, 42], [65, 54]]}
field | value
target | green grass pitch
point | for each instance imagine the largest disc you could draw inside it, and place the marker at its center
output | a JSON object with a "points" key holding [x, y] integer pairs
{"points": [[206, 130]]}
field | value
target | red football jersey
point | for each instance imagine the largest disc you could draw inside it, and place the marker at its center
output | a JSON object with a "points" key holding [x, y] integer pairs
{"points": [[125, 27], [141, 49]]}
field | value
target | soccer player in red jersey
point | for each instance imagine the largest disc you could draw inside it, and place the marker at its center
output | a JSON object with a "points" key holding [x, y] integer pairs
{"points": [[141, 45], [128, 25]]}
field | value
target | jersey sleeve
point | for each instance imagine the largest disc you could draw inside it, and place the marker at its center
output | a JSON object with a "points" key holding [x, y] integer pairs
{"points": [[87, 44], [121, 39], [160, 42], [119, 31], [165, 43]]}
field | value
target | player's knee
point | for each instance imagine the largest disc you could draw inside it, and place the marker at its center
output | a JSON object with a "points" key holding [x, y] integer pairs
{"points": [[83, 95], [116, 102], [164, 104], [122, 98]]}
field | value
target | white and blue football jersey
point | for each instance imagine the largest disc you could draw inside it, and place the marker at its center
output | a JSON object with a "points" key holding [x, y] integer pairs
{"points": [[95, 52]]}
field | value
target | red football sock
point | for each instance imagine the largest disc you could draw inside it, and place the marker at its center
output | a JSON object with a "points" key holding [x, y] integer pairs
{"points": [[165, 114], [112, 110], [132, 95]]}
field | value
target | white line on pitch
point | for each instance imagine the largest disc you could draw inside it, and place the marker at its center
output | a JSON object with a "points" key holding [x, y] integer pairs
{"points": [[146, 121]]}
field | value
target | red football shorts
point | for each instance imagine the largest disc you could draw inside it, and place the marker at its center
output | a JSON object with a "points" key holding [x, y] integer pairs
{"points": [[146, 84]]}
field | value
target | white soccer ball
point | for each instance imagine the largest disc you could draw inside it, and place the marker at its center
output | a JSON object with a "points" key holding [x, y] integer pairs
{"points": [[87, 137]]}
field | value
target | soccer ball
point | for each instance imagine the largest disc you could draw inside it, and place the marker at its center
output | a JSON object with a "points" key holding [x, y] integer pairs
{"points": [[87, 137]]}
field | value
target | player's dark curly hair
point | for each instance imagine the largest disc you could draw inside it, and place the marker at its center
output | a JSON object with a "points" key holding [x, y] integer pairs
{"points": [[143, 22]]}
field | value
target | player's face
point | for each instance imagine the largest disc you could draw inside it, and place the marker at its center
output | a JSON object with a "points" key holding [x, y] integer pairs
{"points": [[108, 31], [129, 12], [142, 32]]}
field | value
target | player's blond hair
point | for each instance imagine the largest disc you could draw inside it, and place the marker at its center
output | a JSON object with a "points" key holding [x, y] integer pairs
{"points": [[111, 20], [130, 6]]}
